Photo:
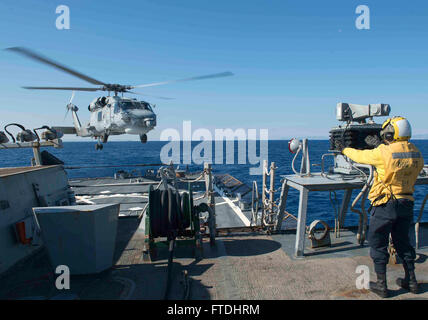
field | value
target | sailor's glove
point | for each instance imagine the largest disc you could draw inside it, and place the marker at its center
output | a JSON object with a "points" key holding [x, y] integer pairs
{"points": [[373, 141]]}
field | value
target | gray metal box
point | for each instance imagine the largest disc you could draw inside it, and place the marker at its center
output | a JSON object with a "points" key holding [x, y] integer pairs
{"points": [[80, 237]]}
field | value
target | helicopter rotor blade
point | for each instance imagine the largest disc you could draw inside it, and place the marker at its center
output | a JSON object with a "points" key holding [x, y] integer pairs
{"points": [[63, 88], [149, 95], [35, 56], [66, 113], [209, 76], [72, 96]]}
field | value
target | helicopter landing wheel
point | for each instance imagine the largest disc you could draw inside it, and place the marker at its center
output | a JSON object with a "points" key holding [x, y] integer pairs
{"points": [[143, 138], [99, 146]]}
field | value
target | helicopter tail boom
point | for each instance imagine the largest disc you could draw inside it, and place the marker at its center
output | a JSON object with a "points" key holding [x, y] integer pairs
{"points": [[66, 130]]}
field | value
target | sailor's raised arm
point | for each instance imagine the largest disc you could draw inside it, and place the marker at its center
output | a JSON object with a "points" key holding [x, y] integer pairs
{"points": [[372, 157]]}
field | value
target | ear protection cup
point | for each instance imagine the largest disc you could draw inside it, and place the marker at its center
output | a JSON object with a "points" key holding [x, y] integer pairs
{"points": [[396, 129], [387, 132], [389, 136]]}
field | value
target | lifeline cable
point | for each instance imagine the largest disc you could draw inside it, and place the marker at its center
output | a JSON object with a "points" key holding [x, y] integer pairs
{"points": [[116, 166]]}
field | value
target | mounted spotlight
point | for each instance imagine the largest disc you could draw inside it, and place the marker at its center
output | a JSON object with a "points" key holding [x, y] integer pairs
{"points": [[3, 137], [294, 145], [49, 133], [26, 135]]}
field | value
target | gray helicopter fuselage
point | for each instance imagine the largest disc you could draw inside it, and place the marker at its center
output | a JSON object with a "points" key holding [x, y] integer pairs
{"points": [[116, 115]]}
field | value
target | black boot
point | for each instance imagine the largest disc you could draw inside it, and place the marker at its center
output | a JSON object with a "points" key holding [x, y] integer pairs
{"points": [[409, 282], [379, 287]]}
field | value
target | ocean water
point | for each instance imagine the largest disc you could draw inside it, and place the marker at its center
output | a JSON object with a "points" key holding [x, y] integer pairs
{"points": [[126, 154]]}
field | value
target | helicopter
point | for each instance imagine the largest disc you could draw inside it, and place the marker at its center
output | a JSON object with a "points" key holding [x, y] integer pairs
{"points": [[110, 115]]}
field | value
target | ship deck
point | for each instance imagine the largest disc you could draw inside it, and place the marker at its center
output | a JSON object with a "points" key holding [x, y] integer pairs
{"points": [[132, 196], [243, 264]]}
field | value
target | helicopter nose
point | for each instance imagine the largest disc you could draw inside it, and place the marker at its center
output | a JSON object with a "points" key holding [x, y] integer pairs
{"points": [[150, 122]]}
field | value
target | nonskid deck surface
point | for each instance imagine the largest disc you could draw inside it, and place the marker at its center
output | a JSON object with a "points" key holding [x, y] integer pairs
{"points": [[240, 266]]}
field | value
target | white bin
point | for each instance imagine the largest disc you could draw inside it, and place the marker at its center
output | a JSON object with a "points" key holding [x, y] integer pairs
{"points": [[81, 237]]}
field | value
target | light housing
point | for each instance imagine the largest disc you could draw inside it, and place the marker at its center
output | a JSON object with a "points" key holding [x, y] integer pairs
{"points": [[359, 113], [3, 137], [294, 145]]}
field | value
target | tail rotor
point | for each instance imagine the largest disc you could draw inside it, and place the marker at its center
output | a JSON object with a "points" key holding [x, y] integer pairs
{"points": [[70, 105]]}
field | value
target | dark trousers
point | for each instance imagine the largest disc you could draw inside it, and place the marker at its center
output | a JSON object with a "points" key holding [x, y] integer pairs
{"points": [[394, 217]]}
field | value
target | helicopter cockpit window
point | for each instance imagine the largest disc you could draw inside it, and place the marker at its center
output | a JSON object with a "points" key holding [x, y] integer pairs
{"points": [[145, 106], [126, 105]]}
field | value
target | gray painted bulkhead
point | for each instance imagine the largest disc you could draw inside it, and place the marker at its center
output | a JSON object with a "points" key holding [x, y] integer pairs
{"points": [[21, 189]]}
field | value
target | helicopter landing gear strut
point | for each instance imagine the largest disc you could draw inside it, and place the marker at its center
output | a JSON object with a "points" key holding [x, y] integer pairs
{"points": [[104, 138], [143, 138], [99, 145]]}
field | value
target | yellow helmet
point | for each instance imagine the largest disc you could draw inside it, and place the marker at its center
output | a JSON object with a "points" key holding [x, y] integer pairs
{"points": [[396, 129]]}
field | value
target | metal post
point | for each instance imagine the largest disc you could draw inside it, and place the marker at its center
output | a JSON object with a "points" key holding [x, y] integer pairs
{"points": [[308, 161], [282, 204], [255, 200], [303, 164], [301, 223], [344, 207], [37, 154], [418, 221], [210, 190], [265, 166], [305, 168], [271, 191]]}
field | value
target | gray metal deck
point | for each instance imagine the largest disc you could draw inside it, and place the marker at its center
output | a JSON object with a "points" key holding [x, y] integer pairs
{"points": [[242, 265]]}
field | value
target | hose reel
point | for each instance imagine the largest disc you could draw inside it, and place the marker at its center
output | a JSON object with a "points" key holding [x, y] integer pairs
{"points": [[171, 215]]}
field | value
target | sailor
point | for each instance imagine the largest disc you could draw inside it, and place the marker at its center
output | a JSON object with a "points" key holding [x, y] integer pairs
{"points": [[398, 163]]}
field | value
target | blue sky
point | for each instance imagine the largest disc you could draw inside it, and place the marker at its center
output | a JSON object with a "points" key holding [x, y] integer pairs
{"points": [[293, 60]]}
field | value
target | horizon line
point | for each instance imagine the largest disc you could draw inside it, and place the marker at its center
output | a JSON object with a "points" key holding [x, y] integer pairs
{"points": [[286, 140]]}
